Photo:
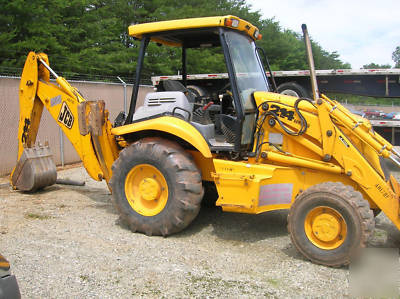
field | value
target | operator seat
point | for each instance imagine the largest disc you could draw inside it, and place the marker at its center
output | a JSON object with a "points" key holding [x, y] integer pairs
{"points": [[172, 85], [208, 129]]}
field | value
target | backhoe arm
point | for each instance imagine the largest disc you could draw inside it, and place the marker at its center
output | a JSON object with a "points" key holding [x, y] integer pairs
{"points": [[85, 123]]}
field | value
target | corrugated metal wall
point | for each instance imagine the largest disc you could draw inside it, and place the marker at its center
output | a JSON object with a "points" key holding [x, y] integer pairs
{"points": [[112, 94]]}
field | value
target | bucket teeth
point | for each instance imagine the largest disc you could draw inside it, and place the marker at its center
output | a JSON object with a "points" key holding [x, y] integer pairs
{"points": [[34, 170]]}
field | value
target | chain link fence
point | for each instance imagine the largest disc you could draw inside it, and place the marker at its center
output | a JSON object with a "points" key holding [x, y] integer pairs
{"points": [[14, 72], [63, 152]]}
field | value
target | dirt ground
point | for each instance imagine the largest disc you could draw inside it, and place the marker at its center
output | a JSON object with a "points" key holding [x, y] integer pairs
{"points": [[66, 241]]}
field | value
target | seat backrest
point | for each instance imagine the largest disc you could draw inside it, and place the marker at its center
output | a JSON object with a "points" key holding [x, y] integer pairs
{"points": [[172, 85]]}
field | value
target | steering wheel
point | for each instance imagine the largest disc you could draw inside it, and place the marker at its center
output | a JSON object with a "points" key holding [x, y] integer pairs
{"points": [[226, 98]]}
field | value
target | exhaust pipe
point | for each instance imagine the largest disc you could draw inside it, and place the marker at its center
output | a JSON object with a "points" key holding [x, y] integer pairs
{"points": [[310, 58]]}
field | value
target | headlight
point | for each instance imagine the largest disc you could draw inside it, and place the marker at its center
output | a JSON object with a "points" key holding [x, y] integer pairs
{"points": [[235, 23], [257, 34], [232, 23]]}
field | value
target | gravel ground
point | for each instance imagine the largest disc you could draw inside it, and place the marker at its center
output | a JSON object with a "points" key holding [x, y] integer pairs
{"points": [[66, 241]]}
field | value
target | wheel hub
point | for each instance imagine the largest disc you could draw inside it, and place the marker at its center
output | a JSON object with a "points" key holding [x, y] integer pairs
{"points": [[149, 189], [146, 190], [326, 227]]}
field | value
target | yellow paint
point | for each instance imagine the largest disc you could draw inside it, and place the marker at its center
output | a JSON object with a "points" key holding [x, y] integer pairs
{"points": [[42, 93], [154, 28], [82, 144], [4, 265], [149, 189], [29, 106], [238, 183], [171, 125], [325, 228], [294, 160], [328, 141], [358, 167], [146, 190], [108, 147], [205, 165]]}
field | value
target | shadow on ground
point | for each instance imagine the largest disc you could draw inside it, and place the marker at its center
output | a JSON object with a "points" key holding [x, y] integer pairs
{"points": [[238, 227], [100, 196]]}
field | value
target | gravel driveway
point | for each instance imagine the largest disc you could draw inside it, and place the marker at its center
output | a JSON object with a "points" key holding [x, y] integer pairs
{"points": [[66, 241]]}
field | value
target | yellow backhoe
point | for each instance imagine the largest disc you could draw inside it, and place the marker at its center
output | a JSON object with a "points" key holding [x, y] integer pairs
{"points": [[262, 151]]}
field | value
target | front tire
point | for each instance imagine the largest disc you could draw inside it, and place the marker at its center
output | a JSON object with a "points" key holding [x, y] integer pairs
{"points": [[329, 223], [156, 187]]}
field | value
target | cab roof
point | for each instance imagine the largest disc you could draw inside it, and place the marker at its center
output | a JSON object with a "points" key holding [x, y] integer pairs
{"points": [[193, 32]]}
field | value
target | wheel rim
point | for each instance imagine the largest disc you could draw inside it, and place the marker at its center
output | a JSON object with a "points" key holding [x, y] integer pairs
{"points": [[146, 190], [290, 92], [325, 227]]}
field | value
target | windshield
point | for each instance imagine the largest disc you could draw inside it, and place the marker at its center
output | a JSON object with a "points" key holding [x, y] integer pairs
{"points": [[250, 75]]}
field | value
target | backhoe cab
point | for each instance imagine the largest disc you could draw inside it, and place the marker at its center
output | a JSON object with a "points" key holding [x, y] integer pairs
{"points": [[261, 150], [227, 121]]}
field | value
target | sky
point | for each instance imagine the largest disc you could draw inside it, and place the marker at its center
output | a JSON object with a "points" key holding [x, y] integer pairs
{"points": [[361, 32]]}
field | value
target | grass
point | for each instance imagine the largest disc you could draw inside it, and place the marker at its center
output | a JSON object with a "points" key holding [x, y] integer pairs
{"points": [[379, 233], [37, 216], [274, 282], [150, 289], [209, 283]]}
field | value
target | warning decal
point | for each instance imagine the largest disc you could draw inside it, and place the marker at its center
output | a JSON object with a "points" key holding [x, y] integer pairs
{"points": [[275, 194]]}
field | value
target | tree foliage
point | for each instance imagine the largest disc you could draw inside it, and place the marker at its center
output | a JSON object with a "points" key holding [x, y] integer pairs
{"points": [[90, 36], [396, 56], [376, 66]]}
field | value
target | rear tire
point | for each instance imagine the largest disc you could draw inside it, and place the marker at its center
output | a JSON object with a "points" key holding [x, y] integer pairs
{"points": [[293, 89], [329, 223], [156, 187], [197, 90]]}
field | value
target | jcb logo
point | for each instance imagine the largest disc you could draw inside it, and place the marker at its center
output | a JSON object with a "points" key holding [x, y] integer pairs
{"points": [[66, 116]]}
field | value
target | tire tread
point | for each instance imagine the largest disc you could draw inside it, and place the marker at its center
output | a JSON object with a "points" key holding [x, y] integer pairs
{"points": [[188, 187], [354, 198]]}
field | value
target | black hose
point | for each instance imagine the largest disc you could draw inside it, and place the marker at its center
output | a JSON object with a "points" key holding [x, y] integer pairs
{"points": [[303, 121]]}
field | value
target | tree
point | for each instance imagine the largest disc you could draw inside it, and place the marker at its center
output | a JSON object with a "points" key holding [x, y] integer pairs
{"points": [[396, 56], [90, 36], [376, 66]]}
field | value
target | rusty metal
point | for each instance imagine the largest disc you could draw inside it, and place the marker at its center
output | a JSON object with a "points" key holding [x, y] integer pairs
{"points": [[35, 169], [91, 117], [96, 117], [82, 119]]}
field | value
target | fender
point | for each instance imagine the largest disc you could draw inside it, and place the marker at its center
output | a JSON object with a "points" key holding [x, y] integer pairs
{"points": [[171, 125]]}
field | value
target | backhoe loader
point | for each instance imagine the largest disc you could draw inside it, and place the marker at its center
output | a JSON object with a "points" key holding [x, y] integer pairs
{"points": [[263, 151]]}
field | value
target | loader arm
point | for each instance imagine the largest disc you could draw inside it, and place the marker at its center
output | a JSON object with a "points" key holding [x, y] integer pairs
{"points": [[85, 123], [334, 141]]}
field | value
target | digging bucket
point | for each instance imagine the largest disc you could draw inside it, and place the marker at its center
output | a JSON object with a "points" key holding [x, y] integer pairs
{"points": [[34, 170]]}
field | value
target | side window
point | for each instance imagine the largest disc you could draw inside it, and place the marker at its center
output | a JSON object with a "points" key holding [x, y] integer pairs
{"points": [[250, 77], [205, 61]]}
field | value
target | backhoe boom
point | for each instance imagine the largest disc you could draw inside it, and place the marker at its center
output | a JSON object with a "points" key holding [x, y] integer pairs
{"points": [[85, 123]]}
